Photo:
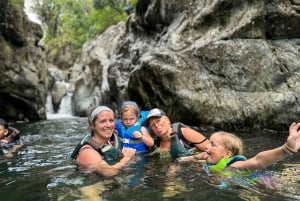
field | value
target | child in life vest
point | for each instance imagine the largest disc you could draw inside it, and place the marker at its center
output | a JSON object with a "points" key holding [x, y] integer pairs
{"points": [[131, 128], [9, 136], [225, 149], [224, 158], [9, 139]]}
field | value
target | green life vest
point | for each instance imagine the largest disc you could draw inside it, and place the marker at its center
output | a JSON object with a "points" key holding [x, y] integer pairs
{"points": [[240, 177], [111, 154], [220, 167]]}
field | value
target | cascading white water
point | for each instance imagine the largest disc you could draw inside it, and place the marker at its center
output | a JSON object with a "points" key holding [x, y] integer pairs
{"points": [[28, 9], [49, 105], [65, 107]]}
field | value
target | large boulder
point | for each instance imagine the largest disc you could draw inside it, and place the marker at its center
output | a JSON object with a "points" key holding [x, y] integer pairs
{"points": [[23, 84], [228, 64]]}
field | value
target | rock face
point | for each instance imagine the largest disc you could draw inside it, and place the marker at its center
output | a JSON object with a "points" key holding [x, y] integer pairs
{"points": [[24, 82], [228, 64]]}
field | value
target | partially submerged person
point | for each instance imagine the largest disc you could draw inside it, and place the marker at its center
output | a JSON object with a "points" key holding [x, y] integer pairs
{"points": [[9, 135], [224, 155], [225, 149], [9, 138], [131, 128], [177, 139], [100, 151]]}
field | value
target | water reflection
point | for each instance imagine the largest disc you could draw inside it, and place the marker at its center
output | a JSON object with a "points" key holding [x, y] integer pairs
{"points": [[42, 170]]}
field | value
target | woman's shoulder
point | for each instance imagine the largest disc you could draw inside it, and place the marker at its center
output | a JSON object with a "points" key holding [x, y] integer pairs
{"points": [[87, 153]]}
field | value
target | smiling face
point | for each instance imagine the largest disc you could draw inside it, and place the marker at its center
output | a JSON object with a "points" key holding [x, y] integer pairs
{"points": [[222, 145], [104, 125]]}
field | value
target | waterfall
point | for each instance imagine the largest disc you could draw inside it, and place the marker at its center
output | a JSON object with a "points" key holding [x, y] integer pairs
{"points": [[49, 105], [28, 9], [65, 107]]}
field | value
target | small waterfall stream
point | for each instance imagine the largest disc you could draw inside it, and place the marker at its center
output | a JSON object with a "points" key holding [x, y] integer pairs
{"points": [[49, 105], [28, 9], [65, 107]]}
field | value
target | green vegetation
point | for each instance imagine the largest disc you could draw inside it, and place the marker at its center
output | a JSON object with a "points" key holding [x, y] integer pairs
{"points": [[73, 22], [20, 2]]}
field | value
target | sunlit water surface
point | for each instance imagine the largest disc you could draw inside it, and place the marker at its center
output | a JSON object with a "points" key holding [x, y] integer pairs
{"points": [[42, 170]]}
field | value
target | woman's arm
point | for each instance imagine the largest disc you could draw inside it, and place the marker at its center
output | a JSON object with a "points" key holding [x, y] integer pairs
{"points": [[266, 158], [198, 139], [89, 160]]}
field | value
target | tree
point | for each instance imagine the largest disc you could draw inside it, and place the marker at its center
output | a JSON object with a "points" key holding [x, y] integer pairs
{"points": [[75, 21]]}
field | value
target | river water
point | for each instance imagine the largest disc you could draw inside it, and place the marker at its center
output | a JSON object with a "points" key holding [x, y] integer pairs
{"points": [[42, 170]]}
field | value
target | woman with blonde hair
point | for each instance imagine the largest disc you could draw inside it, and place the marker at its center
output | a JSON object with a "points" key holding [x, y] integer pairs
{"points": [[177, 139]]}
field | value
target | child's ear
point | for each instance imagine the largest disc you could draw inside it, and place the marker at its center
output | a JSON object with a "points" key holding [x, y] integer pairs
{"points": [[229, 154]]}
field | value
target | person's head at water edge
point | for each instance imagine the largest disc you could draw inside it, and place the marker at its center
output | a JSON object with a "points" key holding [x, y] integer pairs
{"points": [[223, 145], [159, 122], [102, 122], [177, 138], [129, 113]]}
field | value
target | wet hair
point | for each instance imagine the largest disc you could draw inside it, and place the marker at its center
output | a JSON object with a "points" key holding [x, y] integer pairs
{"points": [[230, 141], [4, 123]]}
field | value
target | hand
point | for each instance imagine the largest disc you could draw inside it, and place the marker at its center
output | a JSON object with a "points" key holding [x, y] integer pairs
{"points": [[137, 134], [128, 152], [4, 141], [185, 159], [293, 140]]}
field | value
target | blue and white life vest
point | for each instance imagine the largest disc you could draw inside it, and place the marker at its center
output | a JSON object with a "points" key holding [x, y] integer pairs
{"points": [[126, 134]]}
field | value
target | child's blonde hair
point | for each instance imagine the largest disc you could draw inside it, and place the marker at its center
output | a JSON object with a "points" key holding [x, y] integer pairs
{"points": [[230, 141], [130, 106]]}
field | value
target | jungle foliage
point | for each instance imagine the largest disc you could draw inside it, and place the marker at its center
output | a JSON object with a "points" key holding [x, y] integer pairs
{"points": [[75, 21]]}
